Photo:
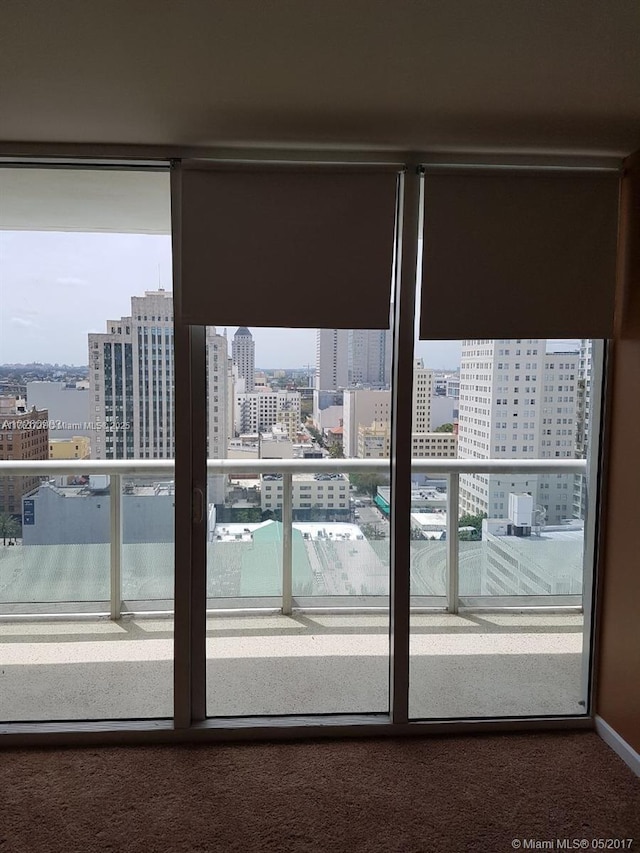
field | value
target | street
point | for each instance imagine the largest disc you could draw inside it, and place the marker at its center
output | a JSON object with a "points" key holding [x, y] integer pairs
{"points": [[372, 515]]}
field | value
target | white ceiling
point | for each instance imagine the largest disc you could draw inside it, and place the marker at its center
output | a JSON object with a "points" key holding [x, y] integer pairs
{"points": [[519, 75]]}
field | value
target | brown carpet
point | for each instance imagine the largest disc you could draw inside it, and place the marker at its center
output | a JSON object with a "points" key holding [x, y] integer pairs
{"points": [[450, 794]]}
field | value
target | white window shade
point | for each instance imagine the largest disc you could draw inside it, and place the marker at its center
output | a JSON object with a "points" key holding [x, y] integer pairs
{"points": [[112, 201], [519, 255], [284, 246]]}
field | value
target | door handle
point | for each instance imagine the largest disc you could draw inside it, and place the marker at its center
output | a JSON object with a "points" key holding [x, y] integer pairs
{"points": [[197, 506]]}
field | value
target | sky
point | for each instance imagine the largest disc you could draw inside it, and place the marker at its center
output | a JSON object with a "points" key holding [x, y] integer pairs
{"points": [[56, 287]]}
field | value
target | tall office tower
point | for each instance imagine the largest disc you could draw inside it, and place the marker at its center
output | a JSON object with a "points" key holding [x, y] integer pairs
{"points": [[332, 359], [369, 357], [243, 353], [131, 381], [516, 402], [219, 395], [422, 392], [583, 423]]}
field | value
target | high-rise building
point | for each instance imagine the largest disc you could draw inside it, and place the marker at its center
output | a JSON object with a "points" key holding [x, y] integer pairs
{"points": [[131, 382], [422, 392], [347, 358], [517, 401], [583, 423], [23, 435], [332, 359], [369, 357], [243, 353]]}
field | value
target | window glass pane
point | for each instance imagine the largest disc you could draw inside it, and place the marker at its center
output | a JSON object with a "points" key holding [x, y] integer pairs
{"points": [[509, 637], [86, 382]]}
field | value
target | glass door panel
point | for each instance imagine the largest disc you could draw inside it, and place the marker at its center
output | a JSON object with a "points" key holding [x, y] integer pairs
{"points": [[86, 389], [497, 574], [297, 547]]}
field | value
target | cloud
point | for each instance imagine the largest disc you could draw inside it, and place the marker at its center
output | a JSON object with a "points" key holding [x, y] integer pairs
{"points": [[22, 322], [70, 281]]}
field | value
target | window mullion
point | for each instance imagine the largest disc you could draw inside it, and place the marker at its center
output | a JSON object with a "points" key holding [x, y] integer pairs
{"points": [[402, 396]]}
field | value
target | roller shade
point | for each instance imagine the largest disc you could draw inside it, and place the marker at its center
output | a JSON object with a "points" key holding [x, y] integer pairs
{"points": [[127, 201], [284, 246], [519, 255]]}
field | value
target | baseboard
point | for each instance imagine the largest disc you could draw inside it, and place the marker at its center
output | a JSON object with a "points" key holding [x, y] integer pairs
{"points": [[626, 752]]}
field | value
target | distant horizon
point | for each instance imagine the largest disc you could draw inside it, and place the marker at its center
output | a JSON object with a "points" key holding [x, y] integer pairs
{"points": [[60, 365]]}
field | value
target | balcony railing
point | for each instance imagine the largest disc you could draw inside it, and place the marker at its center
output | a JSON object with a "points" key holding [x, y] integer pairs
{"points": [[451, 469]]}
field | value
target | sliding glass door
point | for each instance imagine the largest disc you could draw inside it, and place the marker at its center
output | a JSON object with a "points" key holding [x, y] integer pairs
{"points": [[284, 492]]}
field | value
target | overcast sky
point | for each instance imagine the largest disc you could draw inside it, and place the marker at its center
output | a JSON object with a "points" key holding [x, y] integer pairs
{"points": [[56, 287]]}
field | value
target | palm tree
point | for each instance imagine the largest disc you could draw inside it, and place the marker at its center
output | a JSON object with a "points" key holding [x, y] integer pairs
{"points": [[9, 527]]}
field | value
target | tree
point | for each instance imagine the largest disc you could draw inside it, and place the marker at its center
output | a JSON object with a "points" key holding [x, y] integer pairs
{"points": [[316, 513], [247, 515], [317, 435], [444, 428], [474, 521], [336, 451], [368, 483], [9, 527], [372, 531]]}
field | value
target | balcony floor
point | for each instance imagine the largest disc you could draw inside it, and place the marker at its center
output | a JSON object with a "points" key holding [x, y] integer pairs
{"points": [[470, 665]]}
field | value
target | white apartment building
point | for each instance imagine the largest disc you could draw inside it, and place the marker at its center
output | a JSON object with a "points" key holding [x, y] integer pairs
{"points": [[326, 492], [452, 387], [516, 402], [583, 423], [259, 411], [243, 354], [332, 359], [131, 384], [446, 384]]}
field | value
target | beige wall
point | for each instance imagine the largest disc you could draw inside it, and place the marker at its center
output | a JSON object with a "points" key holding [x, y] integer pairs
{"points": [[618, 663], [78, 447]]}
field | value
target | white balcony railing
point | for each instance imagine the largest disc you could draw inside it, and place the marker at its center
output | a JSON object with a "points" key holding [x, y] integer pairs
{"points": [[449, 468]]}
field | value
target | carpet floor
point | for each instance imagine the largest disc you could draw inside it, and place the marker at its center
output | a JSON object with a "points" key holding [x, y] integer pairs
{"points": [[483, 793]]}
